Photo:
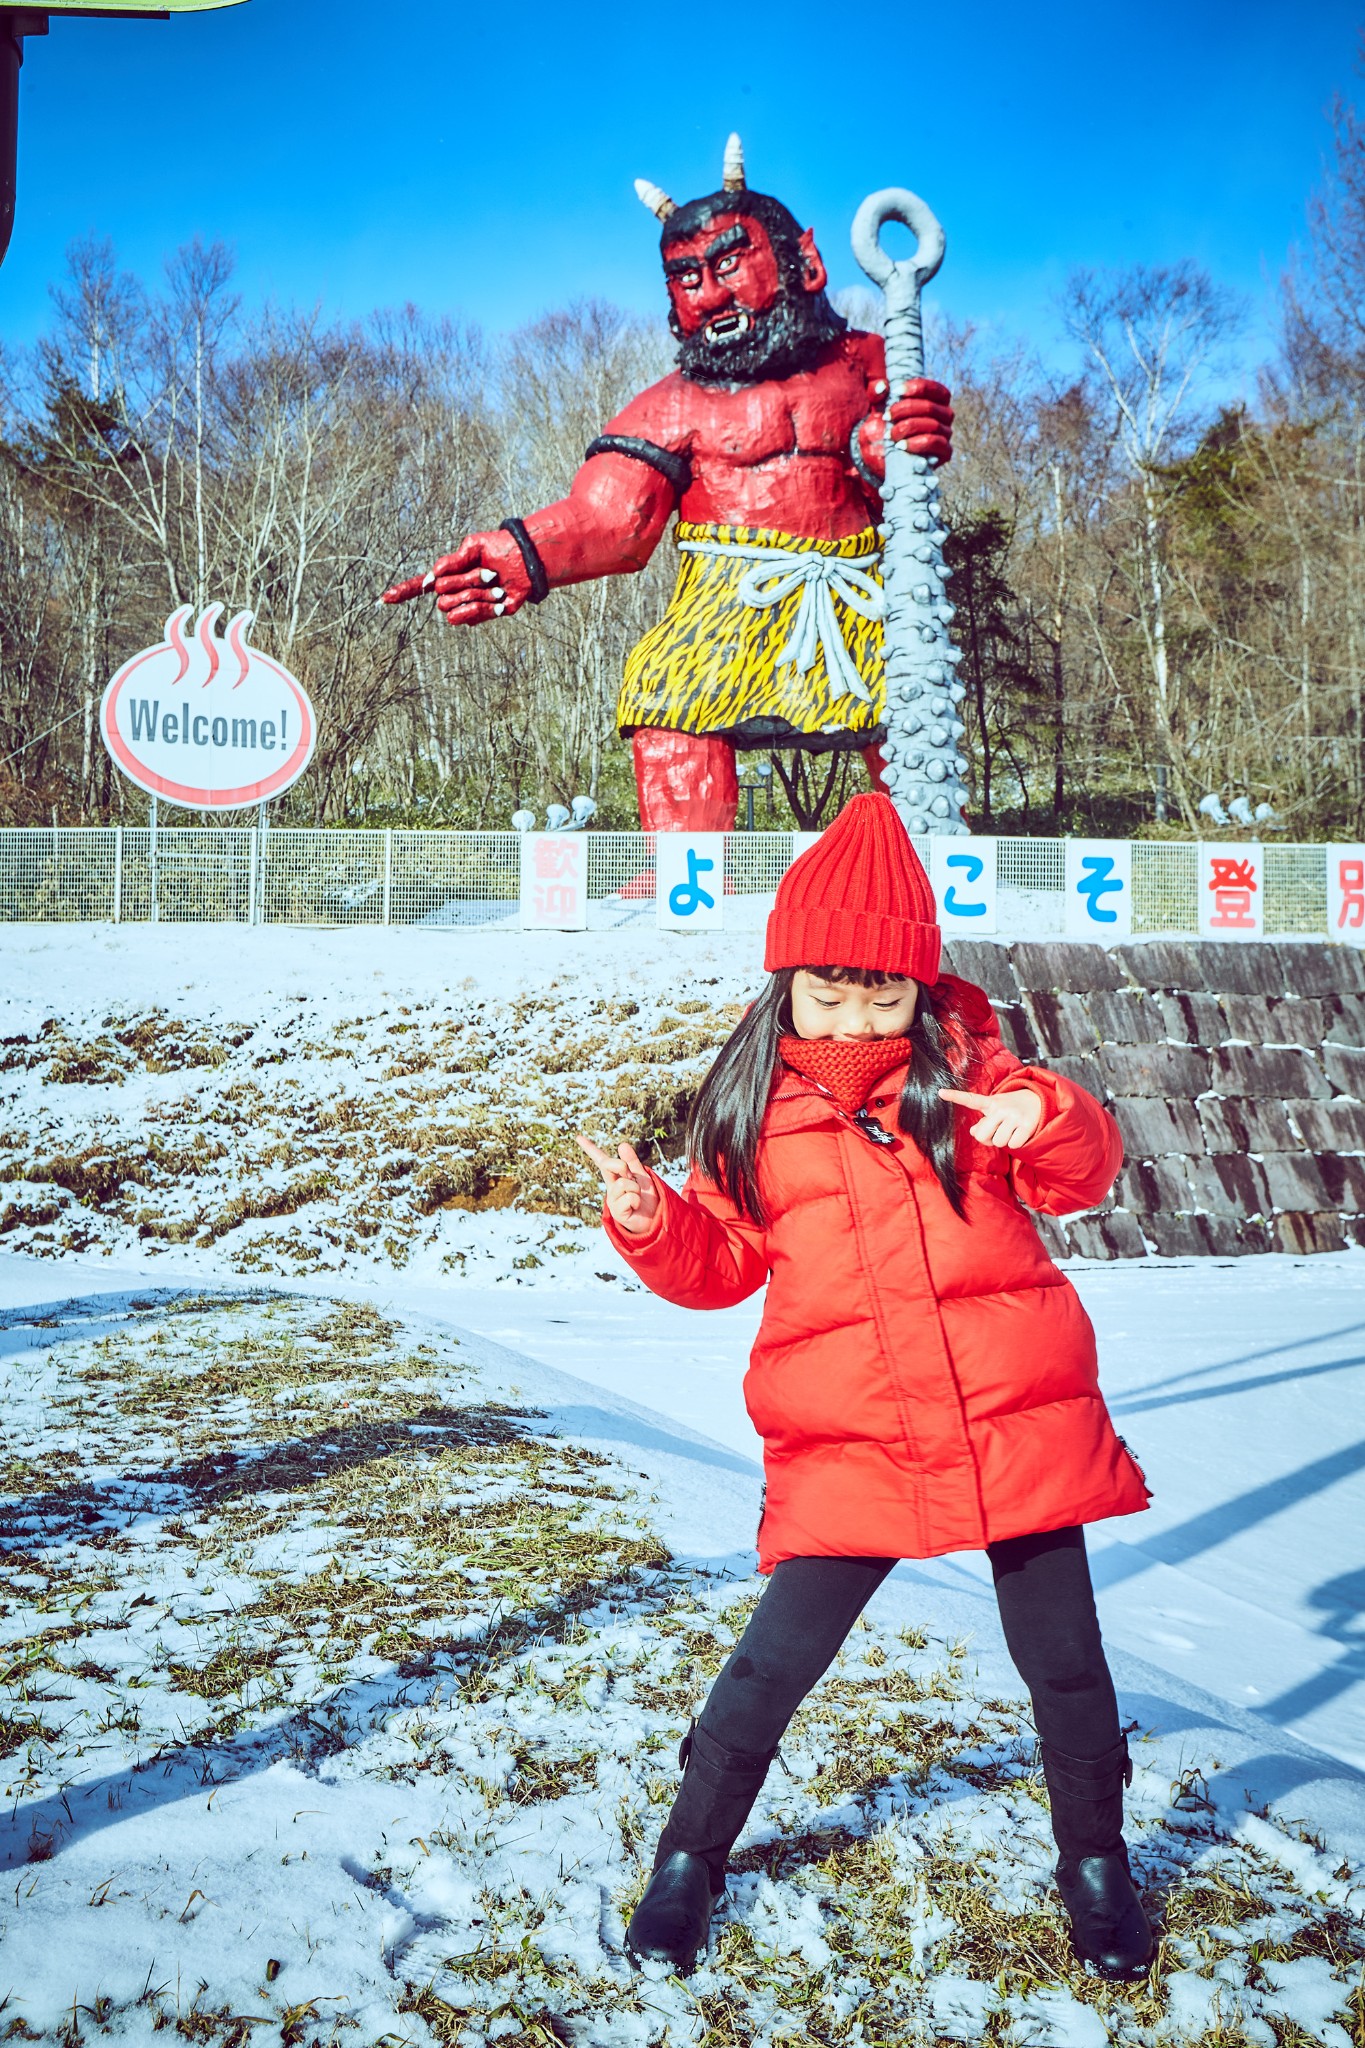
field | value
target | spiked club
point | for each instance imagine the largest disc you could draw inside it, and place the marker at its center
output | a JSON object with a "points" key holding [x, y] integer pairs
{"points": [[925, 765]]}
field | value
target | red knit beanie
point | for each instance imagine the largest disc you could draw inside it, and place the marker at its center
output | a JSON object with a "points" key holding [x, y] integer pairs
{"points": [[859, 897]]}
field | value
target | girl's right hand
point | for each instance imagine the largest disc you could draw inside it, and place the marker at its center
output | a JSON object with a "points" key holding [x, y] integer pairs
{"points": [[632, 1197]]}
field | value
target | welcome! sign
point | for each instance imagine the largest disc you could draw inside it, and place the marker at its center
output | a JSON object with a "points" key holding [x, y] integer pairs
{"points": [[206, 720]]}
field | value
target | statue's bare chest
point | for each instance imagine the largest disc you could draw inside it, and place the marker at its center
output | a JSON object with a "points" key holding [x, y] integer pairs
{"points": [[813, 414]]}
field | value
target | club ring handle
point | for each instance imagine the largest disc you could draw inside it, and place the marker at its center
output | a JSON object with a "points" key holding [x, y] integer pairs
{"points": [[895, 203]]}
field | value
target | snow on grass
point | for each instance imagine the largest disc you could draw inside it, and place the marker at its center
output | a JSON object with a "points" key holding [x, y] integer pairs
{"points": [[306, 1134], [340, 1696]]}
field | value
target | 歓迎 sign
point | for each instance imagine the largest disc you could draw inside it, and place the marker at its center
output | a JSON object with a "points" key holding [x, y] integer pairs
{"points": [[554, 882], [208, 721]]}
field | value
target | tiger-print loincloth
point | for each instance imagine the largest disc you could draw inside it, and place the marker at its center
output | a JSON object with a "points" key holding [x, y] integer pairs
{"points": [[711, 663]]}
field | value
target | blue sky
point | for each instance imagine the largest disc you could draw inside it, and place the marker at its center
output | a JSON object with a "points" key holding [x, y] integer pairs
{"points": [[478, 159]]}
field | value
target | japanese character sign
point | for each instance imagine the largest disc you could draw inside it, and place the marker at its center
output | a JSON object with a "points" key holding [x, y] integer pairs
{"points": [[554, 882], [689, 890], [1231, 891], [1099, 889], [963, 872], [1346, 894]]}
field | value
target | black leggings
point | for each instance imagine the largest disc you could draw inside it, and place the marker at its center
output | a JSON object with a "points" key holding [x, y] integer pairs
{"points": [[1047, 1609]]}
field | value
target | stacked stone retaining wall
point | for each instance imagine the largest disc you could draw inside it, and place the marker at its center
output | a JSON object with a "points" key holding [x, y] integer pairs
{"points": [[1236, 1074]]}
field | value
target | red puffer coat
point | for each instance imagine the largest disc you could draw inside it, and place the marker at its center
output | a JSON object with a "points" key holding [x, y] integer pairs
{"points": [[922, 1382]]}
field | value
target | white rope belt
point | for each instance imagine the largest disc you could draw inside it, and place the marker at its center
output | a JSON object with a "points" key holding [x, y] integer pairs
{"points": [[776, 572]]}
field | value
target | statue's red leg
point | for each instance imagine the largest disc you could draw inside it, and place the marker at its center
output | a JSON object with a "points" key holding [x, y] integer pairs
{"points": [[876, 768], [685, 781]]}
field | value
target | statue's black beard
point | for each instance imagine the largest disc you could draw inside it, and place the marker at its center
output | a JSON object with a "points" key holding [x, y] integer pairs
{"points": [[785, 339]]}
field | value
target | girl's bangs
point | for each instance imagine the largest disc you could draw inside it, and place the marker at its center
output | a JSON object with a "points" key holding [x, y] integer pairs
{"points": [[858, 977]]}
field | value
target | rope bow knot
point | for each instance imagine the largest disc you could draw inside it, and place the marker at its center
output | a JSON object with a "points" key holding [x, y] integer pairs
{"points": [[775, 574]]}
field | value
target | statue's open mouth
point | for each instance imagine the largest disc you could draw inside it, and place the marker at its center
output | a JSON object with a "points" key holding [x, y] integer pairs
{"points": [[727, 327]]}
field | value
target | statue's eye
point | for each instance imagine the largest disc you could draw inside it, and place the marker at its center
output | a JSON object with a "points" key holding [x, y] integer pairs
{"points": [[727, 264]]}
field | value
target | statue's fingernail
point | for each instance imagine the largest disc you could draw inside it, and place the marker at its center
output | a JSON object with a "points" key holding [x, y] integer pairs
{"points": [[498, 610], [879, 386], [488, 574], [429, 580], [497, 591]]}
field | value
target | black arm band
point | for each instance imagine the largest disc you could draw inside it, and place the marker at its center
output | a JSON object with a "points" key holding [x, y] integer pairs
{"points": [[676, 468], [859, 461], [530, 555]]}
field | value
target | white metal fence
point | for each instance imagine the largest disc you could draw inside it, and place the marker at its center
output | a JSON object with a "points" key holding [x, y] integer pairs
{"points": [[239, 875]]}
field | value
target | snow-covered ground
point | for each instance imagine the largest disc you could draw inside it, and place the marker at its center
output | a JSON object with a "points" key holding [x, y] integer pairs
{"points": [[355, 1639], [344, 1662], [1241, 1389]]}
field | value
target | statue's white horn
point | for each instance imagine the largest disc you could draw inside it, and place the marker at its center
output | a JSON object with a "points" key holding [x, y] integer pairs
{"points": [[655, 198], [732, 172]]}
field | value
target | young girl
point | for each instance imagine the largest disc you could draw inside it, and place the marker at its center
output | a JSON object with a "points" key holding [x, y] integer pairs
{"points": [[924, 1379]]}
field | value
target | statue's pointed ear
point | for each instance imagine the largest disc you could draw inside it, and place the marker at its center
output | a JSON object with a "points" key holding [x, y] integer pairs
{"points": [[814, 276]]}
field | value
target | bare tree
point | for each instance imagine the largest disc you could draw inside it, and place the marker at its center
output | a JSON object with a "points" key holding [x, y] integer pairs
{"points": [[1151, 335]]}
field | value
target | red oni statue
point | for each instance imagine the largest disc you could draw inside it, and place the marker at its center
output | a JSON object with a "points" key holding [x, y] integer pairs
{"points": [[767, 442]]}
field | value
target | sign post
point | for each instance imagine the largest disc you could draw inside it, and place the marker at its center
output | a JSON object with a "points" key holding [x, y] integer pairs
{"points": [[151, 862], [258, 876]]}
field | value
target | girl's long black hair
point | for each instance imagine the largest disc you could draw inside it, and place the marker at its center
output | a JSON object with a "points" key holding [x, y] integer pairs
{"points": [[727, 1115]]}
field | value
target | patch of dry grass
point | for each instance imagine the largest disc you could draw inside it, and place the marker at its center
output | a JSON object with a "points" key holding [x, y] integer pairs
{"points": [[443, 1111]]}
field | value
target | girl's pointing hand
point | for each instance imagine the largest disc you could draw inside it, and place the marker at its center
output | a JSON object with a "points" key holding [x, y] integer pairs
{"points": [[1009, 1119], [632, 1197]]}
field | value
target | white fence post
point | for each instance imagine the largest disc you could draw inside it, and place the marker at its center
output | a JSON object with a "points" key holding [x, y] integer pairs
{"points": [[388, 874], [118, 874]]}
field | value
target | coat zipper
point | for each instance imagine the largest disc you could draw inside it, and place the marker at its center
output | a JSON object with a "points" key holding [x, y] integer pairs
{"points": [[859, 1120]]}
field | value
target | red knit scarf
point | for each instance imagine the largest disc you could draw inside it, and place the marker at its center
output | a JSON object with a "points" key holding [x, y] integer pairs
{"points": [[847, 1068]]}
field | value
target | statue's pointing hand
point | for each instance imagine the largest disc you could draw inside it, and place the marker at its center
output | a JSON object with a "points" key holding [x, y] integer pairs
{"points": [[485, 578]]}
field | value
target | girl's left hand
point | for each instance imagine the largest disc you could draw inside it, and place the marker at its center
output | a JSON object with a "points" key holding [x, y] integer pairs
{"points": [[1009, 1119]]}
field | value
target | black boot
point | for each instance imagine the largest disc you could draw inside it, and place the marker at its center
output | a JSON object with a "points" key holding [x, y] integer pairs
{"points": [[718, 1790], [1109, 1929]]}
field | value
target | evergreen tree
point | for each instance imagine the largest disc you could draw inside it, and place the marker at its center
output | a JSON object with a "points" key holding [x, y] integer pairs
{"points": [[1002, 686]]}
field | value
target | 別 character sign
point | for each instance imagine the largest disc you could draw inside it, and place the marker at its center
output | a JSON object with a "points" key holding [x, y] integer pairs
{"points": [[1346, 894]]}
